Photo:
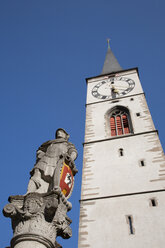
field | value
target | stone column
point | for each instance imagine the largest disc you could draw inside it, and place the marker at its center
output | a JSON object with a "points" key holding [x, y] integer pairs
{"points": [[40, 215]]}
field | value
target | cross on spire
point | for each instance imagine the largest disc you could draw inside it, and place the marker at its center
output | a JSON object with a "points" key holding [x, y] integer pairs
{"points": [[108, 41]]}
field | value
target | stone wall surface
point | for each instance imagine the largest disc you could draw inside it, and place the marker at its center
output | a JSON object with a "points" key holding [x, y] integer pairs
{"points": [[104, 222], [107, 173]]}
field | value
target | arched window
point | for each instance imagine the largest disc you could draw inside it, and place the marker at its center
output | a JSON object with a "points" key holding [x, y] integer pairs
{"points": [[120, 122]]}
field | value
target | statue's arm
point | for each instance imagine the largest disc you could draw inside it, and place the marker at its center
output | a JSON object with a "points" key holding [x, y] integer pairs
{"points": [[44, 146], [34, 182], [42, 150], [72, 152]]}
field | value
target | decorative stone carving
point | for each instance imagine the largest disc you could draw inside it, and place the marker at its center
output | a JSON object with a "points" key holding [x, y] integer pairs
{"points": [[41, 214]]}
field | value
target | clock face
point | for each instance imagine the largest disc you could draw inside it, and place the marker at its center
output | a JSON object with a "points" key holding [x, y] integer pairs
{"points": [[113, 87]]}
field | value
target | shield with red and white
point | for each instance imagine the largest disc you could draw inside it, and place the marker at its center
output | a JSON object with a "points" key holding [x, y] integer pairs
{"points": [[66, 180]]}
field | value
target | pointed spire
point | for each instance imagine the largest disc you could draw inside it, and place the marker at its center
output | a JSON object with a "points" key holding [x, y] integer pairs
{"points": [[110, 64]]}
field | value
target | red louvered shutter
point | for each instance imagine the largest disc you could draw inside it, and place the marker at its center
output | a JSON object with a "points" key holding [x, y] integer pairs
{"points": [[125, 124], [113, 126], [119, 125]]}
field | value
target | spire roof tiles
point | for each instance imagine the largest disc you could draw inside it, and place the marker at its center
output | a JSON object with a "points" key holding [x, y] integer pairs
{"points": [[110, 64]]}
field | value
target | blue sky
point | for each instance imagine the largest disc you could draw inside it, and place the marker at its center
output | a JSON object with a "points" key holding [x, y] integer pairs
{"points": [[47, 49]]}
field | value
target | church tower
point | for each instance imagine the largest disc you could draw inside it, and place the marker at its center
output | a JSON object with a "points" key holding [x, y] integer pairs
{"points": [[123, 181]]}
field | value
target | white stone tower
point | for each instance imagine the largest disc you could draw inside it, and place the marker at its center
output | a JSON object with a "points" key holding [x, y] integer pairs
{"points": [[123, 182]]}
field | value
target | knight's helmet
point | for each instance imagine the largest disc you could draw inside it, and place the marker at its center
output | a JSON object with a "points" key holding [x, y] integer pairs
{"points": [[61, 133]]}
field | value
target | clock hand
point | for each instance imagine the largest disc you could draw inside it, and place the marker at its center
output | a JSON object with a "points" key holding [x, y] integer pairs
{"points": [[114, 90], [121, 87]]}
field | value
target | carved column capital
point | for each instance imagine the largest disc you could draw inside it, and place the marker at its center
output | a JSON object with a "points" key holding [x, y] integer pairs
{"points": [[39, 217]]}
